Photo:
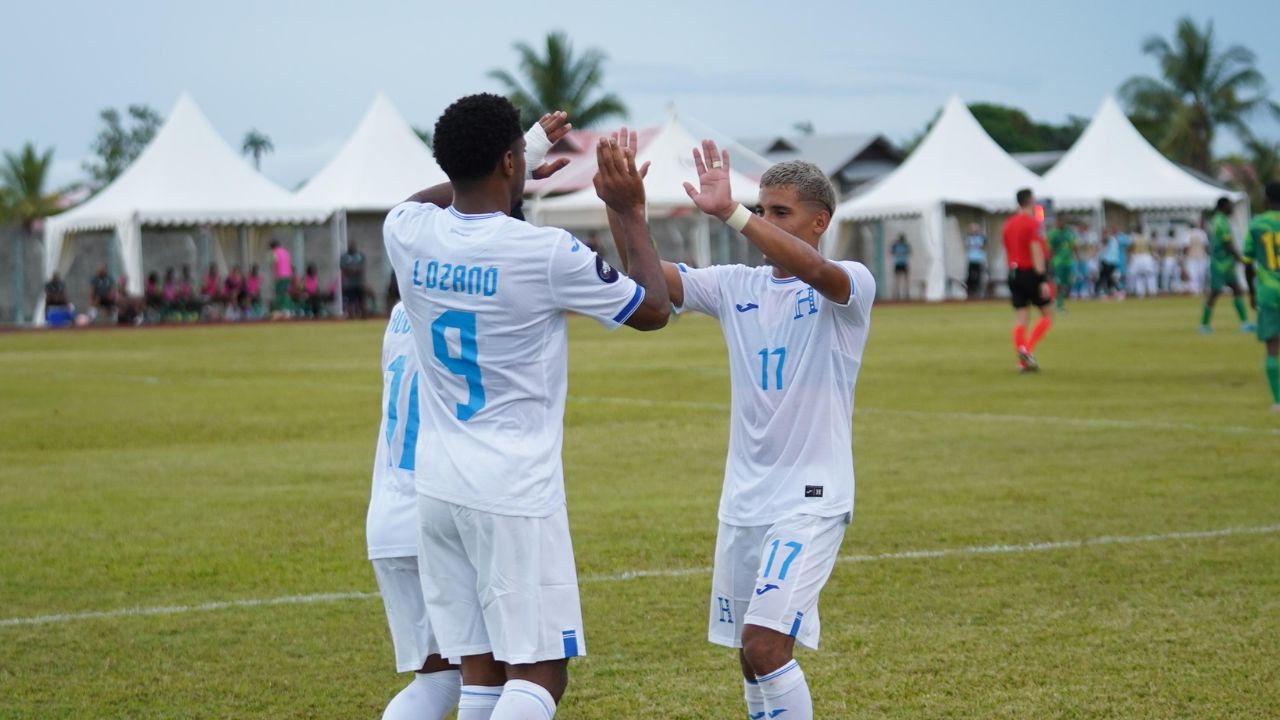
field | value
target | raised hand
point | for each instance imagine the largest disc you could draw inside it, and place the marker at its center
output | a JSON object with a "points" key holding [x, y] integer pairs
{"points": [[617, 181], [714, 196], [556, 125]]}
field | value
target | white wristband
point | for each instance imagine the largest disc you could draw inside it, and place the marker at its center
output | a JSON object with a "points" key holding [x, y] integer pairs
{"points": [[536, 147], [739, 218]]}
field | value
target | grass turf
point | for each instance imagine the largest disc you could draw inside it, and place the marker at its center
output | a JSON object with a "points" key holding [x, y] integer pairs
{"points": [[183, 466]]}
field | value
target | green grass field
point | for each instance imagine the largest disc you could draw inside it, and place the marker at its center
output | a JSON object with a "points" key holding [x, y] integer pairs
{"points": [[179, 467]]}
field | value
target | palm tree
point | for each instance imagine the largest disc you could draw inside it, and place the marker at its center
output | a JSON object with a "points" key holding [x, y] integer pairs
{"points": [[257, 144], [23, 198], [1251, 171], [560, 81], [24, 177], [1200, 90]]}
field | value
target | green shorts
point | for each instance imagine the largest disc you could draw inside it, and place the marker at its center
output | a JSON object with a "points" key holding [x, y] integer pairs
{"points": [[1221, 276], [1268, 322]]}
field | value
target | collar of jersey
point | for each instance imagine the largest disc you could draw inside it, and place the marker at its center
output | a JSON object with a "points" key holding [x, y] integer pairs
{"points": [[782, 281], [464, 216]]}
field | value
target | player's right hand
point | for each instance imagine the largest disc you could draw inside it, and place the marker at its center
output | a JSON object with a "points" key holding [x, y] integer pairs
{"points": [[618, 182]]}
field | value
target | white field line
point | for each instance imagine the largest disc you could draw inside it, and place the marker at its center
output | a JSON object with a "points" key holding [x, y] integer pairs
{"points": [[1098, 423], [976, 550]]}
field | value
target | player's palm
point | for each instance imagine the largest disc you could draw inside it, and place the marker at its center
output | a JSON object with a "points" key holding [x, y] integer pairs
{"points": [[714, 195]]}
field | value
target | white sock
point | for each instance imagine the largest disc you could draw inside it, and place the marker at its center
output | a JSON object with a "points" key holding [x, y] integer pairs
{"points": [[523, 700], [786, 691], [477, 702], [755, 699], [430, 696]]}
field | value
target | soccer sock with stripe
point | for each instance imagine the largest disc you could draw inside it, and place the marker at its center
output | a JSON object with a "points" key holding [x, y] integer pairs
{"points": [[477, 702], [755, 699], [1273, 377], [785, 691], [1239, 303], [430, 696], [1019, 337], [523, 700], [1042, 327]]}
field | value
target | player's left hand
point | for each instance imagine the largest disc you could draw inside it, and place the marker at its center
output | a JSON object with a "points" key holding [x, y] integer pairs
{"points": [[556, 125], [714, 197]]}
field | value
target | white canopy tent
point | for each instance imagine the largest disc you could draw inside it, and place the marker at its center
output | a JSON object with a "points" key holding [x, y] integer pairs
{"points": [[957, 163], [1112, 162], [186, 176], [382, 163], [670, 153]]}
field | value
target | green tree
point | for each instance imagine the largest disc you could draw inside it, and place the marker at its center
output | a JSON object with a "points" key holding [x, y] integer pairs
{"points": [[1200, 90], [256, 145], [117, 146], [1252, 170], [1014, 130], [424, 135], [804, 127], [559, 80], [24, 177]]}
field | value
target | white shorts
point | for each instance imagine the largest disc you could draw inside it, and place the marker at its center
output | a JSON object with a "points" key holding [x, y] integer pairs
{"points": [[771, 575], [500, 584], [401, 590]]}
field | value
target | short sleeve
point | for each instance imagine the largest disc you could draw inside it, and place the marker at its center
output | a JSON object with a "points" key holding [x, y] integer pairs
{"points": [[582, 282], [862, 293], [701, 287]]}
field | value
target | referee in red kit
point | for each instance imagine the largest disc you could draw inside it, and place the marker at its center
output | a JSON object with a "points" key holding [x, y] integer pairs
{"points": [[1024, 248]]}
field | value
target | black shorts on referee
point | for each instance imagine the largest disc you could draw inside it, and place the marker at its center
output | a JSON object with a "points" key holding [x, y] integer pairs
{"points": [[1024, 289]]}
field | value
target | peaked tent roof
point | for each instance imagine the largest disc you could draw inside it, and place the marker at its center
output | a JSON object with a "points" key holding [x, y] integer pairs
{"points": [[1112, 161], [670, 153], [956, 163], [187, 175], [382, 163]]}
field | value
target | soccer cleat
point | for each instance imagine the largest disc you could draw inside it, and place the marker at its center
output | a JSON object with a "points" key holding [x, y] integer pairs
{"points": [[1275, 408], [1248, 327], [1206, 330], [1027, 360]]}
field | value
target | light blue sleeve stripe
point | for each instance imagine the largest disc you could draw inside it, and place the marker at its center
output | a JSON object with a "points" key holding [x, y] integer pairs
{"points": [[630, 309]]}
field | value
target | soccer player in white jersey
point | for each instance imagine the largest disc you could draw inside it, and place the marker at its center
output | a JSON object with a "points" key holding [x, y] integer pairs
{"points": [[392, 531], [795, 330], [487, 295]]}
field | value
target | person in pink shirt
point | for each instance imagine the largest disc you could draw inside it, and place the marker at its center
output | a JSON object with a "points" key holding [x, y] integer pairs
{"points": [[253, 291], [283, 266], [311, 297]]}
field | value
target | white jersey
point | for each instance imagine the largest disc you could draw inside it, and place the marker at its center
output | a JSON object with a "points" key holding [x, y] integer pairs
{"points": [[793, 361], [392, 523], [487, 296]]}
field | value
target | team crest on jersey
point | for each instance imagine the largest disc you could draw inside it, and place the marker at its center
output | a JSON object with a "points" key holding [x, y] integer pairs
{"points": [[605, 270]]}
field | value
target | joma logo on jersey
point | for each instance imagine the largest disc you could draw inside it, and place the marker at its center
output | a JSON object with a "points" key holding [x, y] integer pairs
{"points": [[447, 277], [806, 300], [813, 491]]}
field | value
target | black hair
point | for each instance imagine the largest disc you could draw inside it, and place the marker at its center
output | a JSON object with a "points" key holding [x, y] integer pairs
{"points": [[472, 135], [1273, 193], [1224, 204], [1023, 196]]}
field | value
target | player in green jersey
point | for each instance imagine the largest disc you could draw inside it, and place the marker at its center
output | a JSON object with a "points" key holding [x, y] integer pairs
{"points": [[1062, 250], [1222, 267], [1262, 252]]}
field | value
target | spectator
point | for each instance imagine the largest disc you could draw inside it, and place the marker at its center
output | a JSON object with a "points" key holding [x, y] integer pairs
{"points": [[901, 251], [169, 292], [233, 292], [129, 310], [282, 265], [102, 295], [975, 244], [253, 292], [312, 299], [153, 295], [58, 311], [351, 265], [1144, 270], [1197, 259], [1108, 263], [188, 305], [210, 288], [1170, 263]]}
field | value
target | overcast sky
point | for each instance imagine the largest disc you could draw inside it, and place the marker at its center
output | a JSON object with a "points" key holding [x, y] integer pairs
{"points": [[304, 72]]}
